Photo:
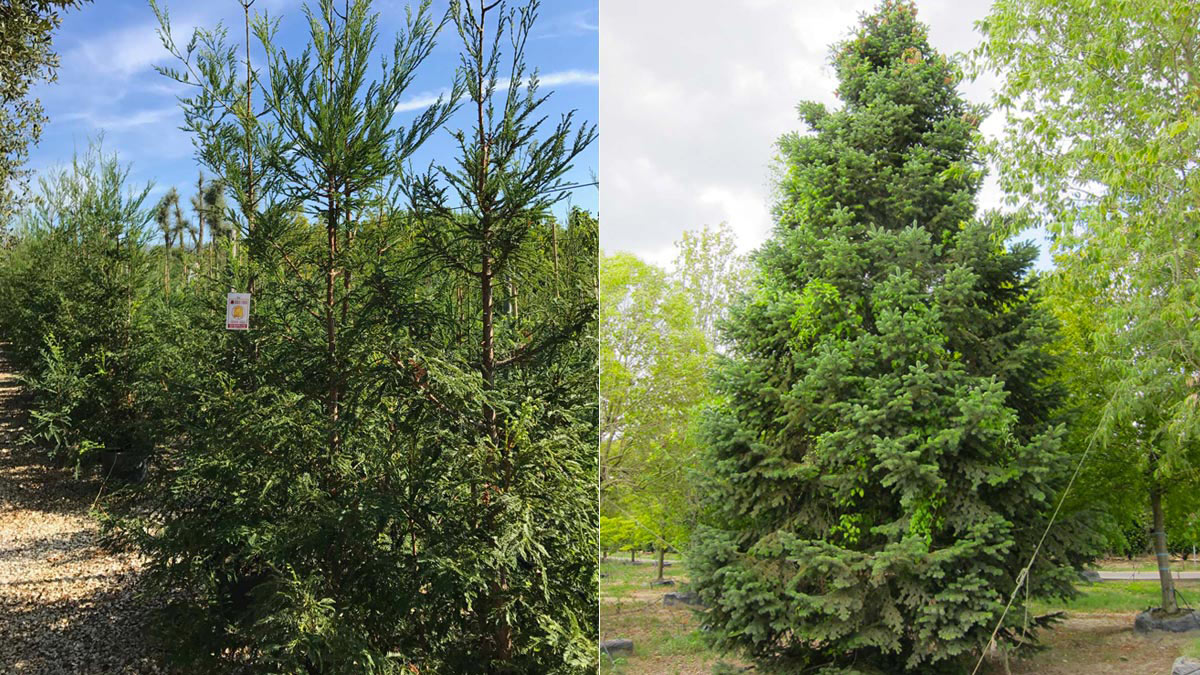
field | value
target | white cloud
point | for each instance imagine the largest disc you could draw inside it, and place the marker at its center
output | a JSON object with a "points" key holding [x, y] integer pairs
{"points": [[696, 92], [566, 77], [423, 100], [567, 25], [125, 52], [555, 79], [139, 118]]}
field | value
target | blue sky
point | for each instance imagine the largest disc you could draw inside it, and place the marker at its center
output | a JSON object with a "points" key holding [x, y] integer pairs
{"points": [[106, 81]]}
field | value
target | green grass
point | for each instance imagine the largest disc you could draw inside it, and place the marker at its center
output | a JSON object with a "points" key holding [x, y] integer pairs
{"points": [[665, 639], [621, 578], [668, 642], [1118, 596], [1193, 651]]}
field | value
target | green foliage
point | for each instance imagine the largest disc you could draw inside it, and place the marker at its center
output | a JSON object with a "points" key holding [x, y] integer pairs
{"points": [[352, 485], [712, 274], [1100, 148], [59, 390], [885, 454], [658, 335], [617, 533], [653, 356], [26, 58], [76, 286], [484, 222]]}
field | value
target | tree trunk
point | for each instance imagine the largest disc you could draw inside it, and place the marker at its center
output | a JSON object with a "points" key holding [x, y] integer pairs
{"points": [[200, 213], [554, 244], [333, 394], [633, 555], [1160, 550], [662, 555]]}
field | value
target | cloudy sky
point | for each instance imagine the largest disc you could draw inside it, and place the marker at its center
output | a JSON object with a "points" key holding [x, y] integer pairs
{"points": [[695, 93], [107, 82]]}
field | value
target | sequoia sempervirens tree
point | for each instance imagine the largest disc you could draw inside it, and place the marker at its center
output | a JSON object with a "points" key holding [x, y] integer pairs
{"points": [[885, 457], [481, 219]]}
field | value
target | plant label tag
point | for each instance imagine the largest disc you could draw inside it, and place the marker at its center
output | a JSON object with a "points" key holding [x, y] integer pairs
{"points": [[237, 311]]}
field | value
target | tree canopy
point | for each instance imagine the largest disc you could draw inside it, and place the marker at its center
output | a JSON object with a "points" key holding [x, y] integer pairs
{"points": [[26, 58], [885, 452]]}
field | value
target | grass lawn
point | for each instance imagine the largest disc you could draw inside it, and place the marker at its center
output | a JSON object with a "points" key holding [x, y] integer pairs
{"points": [[1098, 631]]}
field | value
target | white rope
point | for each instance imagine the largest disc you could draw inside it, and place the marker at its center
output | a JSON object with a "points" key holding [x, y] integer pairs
{"points": [[1023, 577]]}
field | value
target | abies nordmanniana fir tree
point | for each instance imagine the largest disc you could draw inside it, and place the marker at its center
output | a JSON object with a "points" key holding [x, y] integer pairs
{"points": [[885, 459]]}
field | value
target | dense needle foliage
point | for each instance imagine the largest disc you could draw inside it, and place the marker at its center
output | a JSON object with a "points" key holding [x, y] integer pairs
{"points": [[886, 456], [78, 332], [394, 469]]}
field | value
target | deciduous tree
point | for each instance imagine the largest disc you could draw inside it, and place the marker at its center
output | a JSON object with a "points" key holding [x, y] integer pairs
{"points": [[1102, 105]]}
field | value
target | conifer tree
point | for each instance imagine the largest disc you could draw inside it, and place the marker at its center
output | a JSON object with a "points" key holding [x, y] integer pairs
{"points": [[885, 457], [332, 498], [483, 219]]}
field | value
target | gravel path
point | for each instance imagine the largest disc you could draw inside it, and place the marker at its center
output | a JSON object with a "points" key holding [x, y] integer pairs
{"points": [[66, 605]]}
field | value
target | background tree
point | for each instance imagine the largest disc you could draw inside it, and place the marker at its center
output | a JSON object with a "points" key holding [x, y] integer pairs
{"points": [[168, 216], [652, 375], [76, 286], [709, 267], [1102, 132], [26, 57], [885, 457], [1110, 486]]}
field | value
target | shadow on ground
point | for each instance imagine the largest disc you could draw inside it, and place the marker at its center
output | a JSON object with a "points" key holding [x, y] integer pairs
{"points": [[67, 605]]}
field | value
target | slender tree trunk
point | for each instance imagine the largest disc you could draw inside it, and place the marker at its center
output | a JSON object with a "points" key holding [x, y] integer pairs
{"points": [[250, 203], [554, 245], [487, 367], [502, 644], [516, 307], [662, 555], [349, 243], [1161, 555], [200, 212], [333, 395], [167, 267], [632, 555]]}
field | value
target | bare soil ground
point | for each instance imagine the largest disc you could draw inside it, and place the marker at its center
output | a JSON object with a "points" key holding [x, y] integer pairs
{"points": [[666, 639], [66, 605], [1102, 644]]}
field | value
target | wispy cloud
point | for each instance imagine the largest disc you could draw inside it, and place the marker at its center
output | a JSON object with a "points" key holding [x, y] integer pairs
{"points": [[570, 24], [139, 118], [568, 77], [557, 79], [124, 52], [422, 100]]}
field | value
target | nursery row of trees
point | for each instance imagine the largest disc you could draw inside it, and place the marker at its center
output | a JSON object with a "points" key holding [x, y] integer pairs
{"points": [[394, 469], [883, 456], [659, 338]]}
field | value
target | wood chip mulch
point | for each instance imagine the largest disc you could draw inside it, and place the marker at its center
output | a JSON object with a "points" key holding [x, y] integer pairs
{"points": [[66, 605]]}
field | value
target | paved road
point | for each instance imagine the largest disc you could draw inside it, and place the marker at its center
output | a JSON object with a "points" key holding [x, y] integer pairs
{"points": [[1108, 575], [1105, 575]]}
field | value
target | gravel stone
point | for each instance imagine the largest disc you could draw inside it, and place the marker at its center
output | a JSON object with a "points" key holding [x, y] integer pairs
{"points": [[617, 646], [67, 606], [1186, 666]]}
